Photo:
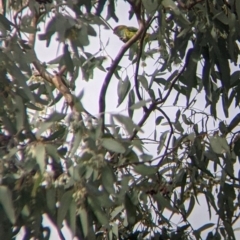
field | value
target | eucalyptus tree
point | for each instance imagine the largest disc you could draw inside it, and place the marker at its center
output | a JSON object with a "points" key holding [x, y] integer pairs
{"points": [[94, 171]]}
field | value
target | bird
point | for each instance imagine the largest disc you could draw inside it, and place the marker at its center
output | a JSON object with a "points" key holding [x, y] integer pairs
{"points": [[125, 33]]}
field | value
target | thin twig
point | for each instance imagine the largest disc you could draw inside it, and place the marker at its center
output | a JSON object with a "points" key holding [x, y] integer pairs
{"points": [[156, 103], [169, 138]]}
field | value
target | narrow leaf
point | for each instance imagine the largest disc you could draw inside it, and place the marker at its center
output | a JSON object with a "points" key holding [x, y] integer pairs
{"points": [[112, 145], [162, 141], [123, 88], [7, 203], [131, 101], [63, 208]]}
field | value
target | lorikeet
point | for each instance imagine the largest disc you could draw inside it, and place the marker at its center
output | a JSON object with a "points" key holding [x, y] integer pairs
{"points": [[125, 33]]}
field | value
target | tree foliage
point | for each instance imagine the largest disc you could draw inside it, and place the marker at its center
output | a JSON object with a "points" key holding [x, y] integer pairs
{"points": [[95, 172]]}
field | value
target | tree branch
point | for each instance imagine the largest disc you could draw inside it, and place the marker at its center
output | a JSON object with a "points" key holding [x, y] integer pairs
{"points": [[139, 55], [126, 46], [56, 79], [154, 105], [169, 138]]}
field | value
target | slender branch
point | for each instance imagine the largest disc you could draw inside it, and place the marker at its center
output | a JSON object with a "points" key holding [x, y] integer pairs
{"points": [[55, 79], [41, 69], [169, 138], [126, 46], [156, 103], [139, 55], [16, 16], [143, 120], [32, 37], [172, 84], [136, 81]]}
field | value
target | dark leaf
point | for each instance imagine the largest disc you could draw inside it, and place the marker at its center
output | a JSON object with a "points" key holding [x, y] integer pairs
{"points": [[123, 88], [65, 202], [142, 79], [158, 120], [112, 145], [235, 121], [7, 203], [130, 210], [162, 141], [131, 101]]}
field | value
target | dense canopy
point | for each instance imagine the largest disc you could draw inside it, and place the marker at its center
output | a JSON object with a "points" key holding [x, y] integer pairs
{"points": [[120, 175]]}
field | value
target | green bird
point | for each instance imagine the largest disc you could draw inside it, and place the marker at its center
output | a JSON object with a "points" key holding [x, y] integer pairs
{"points": [[125, 33]]}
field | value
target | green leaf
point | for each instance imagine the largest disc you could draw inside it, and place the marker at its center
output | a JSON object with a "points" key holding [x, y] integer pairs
{"points": [[76, 142], [19, 113], [56, 117], [7, 203], [52, 151], [234, 79], [108, 179], [229, 229], [158, 120], [191, 69], [235, 121], [111, 11], [127, 122], [144, 82], [59, 134], [222, 66], [63, 207], [191, 206], [139, 104], [219, 144], [72, 217], [40, 152], [123, 88], [116, 211], [112, 145], [205, 227], [98, 212], [91, 31], [162, 141], [68, 60], [237, 5], [163, 203], [180, 18], [130, 210], [51, 199], [131, 101], [100, 7], [146, 157], [186, 120], [206, 70], [145, 170], [225, 103], [150, 7], [223, 128], [50, 30], [178, 126], [84, 220], [178, 113], [17, 74], [5, 22], [115, 230]]}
